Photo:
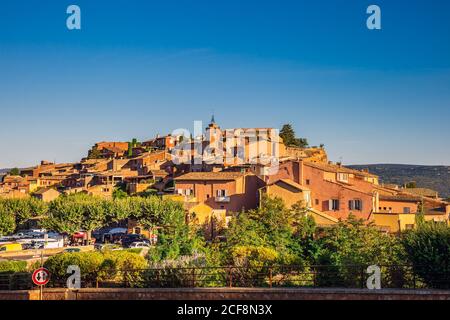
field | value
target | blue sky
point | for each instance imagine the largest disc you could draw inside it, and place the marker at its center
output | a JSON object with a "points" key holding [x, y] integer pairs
{"points": [[138, 68]]}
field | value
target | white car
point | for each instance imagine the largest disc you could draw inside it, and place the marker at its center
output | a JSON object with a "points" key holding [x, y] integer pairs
{"points": [[140, 245]]}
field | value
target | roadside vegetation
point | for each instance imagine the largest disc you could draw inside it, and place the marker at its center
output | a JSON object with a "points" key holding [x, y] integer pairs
{"points": [[267, 237]]}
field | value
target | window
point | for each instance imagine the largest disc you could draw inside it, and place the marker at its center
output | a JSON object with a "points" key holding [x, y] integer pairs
{"points": [[342, 177], [221, 193], [333, 205], [355, 204], [307, 181], [406, 210], [185, 192], [317, 202]]}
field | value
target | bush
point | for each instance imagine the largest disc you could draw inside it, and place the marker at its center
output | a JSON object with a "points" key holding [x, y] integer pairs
{"points": [[123, 266], [13, 266], [347, 248], [89, 263], [113, 266], [428, 250]]}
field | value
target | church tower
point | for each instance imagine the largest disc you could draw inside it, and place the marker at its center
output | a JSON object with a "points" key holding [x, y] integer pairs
{"points": [[213, 132]]}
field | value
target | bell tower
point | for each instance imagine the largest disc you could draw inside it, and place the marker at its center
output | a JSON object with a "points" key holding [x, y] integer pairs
{"points": [[213, 131]]}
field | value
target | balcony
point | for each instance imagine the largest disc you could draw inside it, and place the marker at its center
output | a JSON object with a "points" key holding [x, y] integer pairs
{"points": [[222, 199]]}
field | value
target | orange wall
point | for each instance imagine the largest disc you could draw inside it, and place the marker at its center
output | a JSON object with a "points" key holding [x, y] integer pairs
{"points": [[243, 192], [396, 206]]}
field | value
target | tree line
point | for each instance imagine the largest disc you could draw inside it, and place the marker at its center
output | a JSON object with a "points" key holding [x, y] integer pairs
{"points": [[269, 236]]}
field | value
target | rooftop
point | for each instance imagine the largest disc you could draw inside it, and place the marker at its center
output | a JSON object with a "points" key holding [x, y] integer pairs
{"points": [[424, 192], [220, 176], [403, 198], [338, 168], [292, 184]]}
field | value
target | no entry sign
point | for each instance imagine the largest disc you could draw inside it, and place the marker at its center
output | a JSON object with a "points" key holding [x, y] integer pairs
{"points": [[41, 277]]}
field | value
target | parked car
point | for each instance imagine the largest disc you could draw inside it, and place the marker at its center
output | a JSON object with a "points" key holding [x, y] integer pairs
{"points": [[128, 239], [72, 250], [139, 245], [27, 246], [106, 246]]}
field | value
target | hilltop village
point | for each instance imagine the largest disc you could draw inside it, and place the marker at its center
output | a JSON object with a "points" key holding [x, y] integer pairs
{"points": [[303, 175]]}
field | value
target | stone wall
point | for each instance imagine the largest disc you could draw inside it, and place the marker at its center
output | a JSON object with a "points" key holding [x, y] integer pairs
{"points": [[228, 294]]}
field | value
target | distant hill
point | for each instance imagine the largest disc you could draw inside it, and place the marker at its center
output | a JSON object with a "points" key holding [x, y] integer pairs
{"points": [[433, 177]]}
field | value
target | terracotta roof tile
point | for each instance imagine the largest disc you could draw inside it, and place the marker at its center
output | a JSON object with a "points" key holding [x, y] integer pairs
{"points": [[223, 175]]}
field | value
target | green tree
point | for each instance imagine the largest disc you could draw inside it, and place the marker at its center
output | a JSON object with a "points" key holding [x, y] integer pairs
{"points": [[175, 237], [350, 246], [119, 193], [272, 226], [94, 153], [24, 209], [14, 172], [7, 220], [411, 185], [428, 250], [76, 212], [287, 133]]}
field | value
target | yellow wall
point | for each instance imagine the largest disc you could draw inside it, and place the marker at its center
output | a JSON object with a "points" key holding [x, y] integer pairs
{"points": [[395, 222], [437, 217], [134, 188], [287, 193], [202, 214], [322, 220]]}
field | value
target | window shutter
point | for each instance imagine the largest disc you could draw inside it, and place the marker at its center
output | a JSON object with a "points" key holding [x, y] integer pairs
{"points": [[330, 205]]}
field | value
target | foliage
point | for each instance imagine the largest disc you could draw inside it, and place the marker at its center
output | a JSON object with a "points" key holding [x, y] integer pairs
{"points": [[287, 133], [411, 184], [71, 213], [351, 242], [94, 153], [89, 263], [119, 193], [428, 250], [272, 226], [253, 256], [15, 212], [108, 265], [12, 266], [7, 220], [350, 246], [14, 172]]}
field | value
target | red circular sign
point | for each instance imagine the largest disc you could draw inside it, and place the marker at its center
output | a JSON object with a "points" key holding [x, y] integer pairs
{"points": [[41, 277]]}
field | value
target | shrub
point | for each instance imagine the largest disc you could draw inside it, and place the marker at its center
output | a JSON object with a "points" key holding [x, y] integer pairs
{"points": [[13, 266], [428, 250], [115, 266], [123, 266], [89, 263]]}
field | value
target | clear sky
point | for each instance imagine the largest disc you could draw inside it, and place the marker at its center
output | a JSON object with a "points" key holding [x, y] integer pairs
{"points": [[138, 68]]}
